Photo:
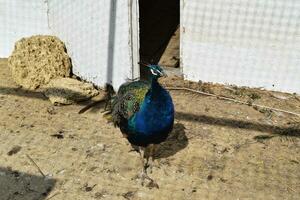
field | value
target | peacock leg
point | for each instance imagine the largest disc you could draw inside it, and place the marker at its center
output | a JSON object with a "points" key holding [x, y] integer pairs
{"points": [[142, 154], [144, 176], [150, 157]]}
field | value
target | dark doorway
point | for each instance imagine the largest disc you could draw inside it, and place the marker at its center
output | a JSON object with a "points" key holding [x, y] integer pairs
{"points": [[159, 22]]}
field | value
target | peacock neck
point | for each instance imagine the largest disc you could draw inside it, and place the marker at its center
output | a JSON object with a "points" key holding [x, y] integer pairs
{"points": [[154, 81], [155, 86]]}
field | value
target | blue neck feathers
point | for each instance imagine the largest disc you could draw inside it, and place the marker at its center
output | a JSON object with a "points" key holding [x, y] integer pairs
{"points": [[157, 111], [155, 89]]}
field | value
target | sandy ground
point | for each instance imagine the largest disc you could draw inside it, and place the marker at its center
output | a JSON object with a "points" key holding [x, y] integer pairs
{"points": [[218, 149]]}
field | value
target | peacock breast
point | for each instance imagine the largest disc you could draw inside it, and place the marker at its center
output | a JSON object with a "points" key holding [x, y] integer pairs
{"points": [[156, 115]]}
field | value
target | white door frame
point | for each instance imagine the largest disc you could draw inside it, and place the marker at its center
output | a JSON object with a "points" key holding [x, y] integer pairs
{"points": [[134, 37]]}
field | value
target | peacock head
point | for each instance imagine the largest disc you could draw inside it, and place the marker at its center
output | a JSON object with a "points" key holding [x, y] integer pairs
{"points": [[156, 71]]}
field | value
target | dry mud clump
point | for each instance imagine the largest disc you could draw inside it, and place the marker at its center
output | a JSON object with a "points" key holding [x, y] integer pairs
{"points": [[38, 59], [68, 91]]}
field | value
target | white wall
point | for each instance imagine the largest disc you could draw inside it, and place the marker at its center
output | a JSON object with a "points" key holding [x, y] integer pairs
{"points": [[248, 43], [97, 36], [20, 18]]}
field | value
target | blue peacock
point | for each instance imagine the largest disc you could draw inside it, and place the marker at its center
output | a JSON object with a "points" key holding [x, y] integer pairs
{"points": [[144, 112]]}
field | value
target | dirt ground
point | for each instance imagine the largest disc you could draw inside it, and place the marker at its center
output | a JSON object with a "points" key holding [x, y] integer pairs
{"points": [[218, 149]]}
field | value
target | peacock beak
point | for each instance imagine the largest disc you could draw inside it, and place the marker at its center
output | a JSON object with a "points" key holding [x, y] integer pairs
{"points": [[145, 64]]}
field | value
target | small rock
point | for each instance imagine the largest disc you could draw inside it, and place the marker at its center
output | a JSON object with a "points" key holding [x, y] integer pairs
{"points": [[16, 174], [68, 91], [51, 110], [48, 176], [61, 171], [101, 146], [58, 135], [88, 188], [93, 168], [209, 177], [223, 180], [294, 161], [100, 195], [152, 184], [14, 150], [128, 195], [281, 96]]}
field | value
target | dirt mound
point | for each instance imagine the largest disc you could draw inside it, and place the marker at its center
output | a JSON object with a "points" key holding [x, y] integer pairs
{"points": [[38, 59]]}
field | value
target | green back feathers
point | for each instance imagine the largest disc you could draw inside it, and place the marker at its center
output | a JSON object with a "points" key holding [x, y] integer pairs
{"points": [[128, 100], [132, 87], [139, 94]]}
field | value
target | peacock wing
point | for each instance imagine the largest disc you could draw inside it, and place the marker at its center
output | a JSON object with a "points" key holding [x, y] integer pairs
{"points": [[128, 101], [132, 87]]}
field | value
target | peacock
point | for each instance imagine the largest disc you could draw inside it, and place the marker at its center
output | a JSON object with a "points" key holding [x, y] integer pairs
{"points": [[144, 112]]}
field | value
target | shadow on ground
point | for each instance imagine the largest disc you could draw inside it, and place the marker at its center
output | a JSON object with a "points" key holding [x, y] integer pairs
{"points": [[176, 141], [293, 131], [19, 91], [15, 185]]}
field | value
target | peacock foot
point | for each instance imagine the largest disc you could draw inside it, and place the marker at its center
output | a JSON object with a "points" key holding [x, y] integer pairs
{"points": [[145, 180], [149, 168], [133, 149], [152, 164]]}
